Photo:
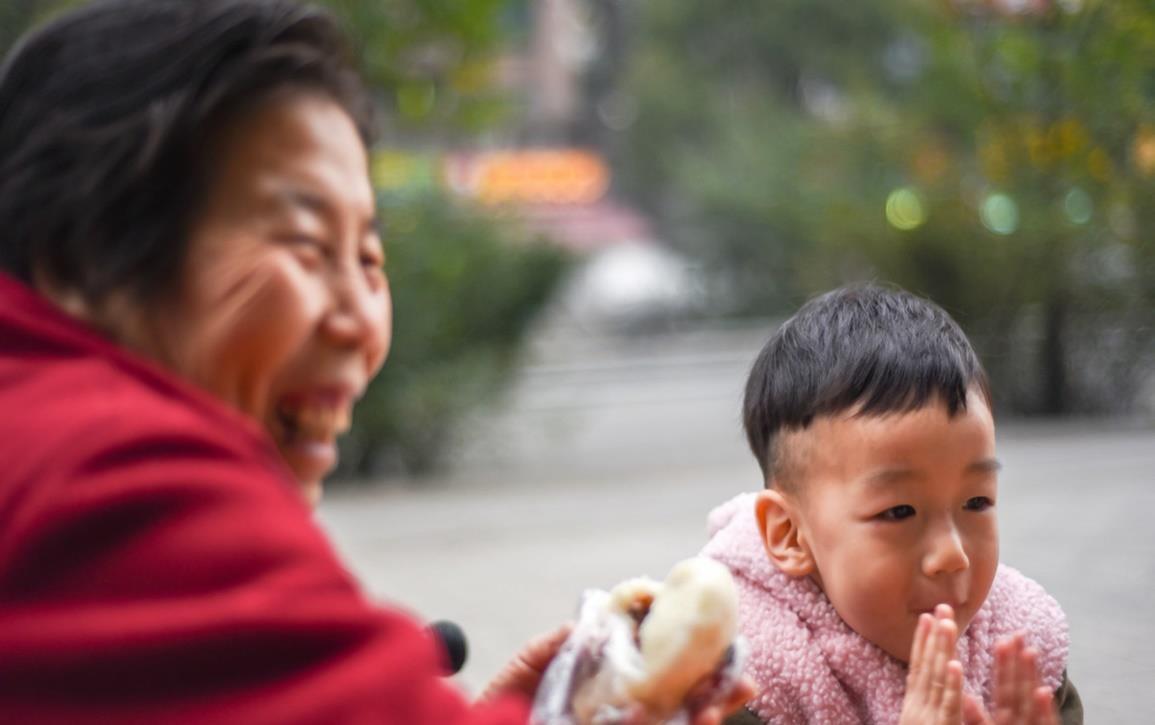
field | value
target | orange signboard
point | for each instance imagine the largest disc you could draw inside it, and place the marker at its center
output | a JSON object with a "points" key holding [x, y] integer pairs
{"points": [[563, 176]]}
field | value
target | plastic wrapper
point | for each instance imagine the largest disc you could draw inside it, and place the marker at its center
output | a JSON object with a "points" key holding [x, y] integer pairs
{"points": [[647, 652]]}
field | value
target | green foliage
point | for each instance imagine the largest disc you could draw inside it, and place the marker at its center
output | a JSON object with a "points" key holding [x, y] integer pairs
{"points": [[16, 16], [433, 61], [1022, 150], [464, 293]]}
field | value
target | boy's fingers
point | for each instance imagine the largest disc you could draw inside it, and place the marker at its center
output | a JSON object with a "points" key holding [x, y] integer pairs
{"points": [[951, 708], [1028, 681], [1006, 653], [973, 713], [944, 611], [918, 652], [1044, 707], [943, 653]]}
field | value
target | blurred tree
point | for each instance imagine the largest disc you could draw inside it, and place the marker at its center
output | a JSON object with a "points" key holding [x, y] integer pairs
{"points": [[465, 285], [435, 62], [464, 293], [1002, 163], [16, 16]]}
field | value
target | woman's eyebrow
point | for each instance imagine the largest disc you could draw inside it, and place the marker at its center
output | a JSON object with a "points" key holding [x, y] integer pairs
{"points": [[318, 205], [306, 200]]}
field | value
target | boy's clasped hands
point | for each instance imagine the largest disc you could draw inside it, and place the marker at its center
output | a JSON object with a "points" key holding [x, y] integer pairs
{"points": [[934, 693]]}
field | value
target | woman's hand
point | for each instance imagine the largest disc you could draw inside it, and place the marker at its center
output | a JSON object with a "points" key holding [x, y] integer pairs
{"points": [[934, 682], [743, 692], [523, 673]]}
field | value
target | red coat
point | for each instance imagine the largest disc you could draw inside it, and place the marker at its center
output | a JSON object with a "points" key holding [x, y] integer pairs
{"points": [[156, 565]]}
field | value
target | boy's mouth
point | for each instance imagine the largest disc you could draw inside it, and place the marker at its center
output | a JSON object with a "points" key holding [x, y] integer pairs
{"points": [[955, 606]]}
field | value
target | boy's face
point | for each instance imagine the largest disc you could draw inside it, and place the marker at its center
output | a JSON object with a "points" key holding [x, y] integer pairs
{"points": [[897, 514]]}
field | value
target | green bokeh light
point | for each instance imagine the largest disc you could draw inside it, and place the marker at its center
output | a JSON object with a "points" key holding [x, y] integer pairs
{"points": [[1078, 206], [904, 209], [1000, 214]]}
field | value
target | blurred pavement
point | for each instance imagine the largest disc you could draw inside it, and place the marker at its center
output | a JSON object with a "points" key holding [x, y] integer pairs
{"points": [[605, 459]]}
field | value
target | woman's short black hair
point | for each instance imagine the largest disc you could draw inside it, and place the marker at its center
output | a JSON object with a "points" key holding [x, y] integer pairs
{"points": [[867, 347], [107, 115]]}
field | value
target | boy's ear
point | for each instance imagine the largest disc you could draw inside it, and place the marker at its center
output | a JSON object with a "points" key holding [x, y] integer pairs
{"points": [[778, 524]]}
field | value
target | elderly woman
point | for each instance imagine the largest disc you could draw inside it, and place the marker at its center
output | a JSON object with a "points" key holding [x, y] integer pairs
{"points": [[192, 297]]}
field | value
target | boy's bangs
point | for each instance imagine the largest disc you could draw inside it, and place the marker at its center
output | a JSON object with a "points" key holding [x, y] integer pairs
{"points": [[870, 350], [900, 383]]}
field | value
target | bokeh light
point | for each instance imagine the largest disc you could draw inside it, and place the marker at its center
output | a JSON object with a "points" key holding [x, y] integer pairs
{"points": [[904, 209], [1000, 214], [1078, 206]]}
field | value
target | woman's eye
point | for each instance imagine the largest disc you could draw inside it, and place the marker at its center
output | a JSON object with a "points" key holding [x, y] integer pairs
{"points": [[978, 503], [303, 243], [897, 513]]}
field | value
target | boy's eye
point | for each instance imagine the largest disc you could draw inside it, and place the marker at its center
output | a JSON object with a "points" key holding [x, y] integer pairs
{"points": [[897, 513], [978, 503]]}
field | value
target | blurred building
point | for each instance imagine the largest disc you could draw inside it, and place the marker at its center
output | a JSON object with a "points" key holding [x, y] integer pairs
{"points": [[551, 169]]}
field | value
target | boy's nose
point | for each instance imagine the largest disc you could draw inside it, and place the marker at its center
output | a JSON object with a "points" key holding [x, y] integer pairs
{"points": [[945, 553]]}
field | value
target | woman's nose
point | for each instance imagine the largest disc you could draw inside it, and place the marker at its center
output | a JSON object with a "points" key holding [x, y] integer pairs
{"points": [[945, 553], [358, 316]]}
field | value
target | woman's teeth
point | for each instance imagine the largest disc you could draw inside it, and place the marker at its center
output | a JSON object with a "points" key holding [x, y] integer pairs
{"points": [[316, 422]]}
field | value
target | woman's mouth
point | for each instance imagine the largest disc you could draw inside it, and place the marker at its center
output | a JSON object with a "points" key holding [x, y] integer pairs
{"points": [[306, 431], [311, 421]]}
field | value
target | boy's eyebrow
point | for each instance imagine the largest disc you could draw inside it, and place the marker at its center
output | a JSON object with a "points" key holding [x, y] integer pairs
{"points": [[898, 474], [885, 476], [985, 465]]}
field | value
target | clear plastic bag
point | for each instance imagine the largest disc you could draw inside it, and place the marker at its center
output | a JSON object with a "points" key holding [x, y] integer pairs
{"points": [[600, 676]]}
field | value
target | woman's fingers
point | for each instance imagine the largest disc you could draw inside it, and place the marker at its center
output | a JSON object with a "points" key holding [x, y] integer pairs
{"points": [[523, 674], [743, 692]]}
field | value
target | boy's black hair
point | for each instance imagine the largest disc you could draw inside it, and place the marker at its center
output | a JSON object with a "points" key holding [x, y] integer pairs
{"points": [[867, 347], [107, 120]]}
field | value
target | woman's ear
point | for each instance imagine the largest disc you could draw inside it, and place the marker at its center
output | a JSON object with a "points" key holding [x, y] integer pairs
{"points": [[778, 524], [68, 300]]}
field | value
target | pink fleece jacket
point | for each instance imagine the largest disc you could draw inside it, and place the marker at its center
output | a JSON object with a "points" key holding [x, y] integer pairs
{"points": [[812, 668]]}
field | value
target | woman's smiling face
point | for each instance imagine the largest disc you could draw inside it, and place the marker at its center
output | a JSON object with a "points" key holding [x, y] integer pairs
{"points": [[283, 309]]}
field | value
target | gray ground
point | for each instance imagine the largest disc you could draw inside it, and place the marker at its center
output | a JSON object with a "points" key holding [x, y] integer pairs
{"points": [[606, 458]]}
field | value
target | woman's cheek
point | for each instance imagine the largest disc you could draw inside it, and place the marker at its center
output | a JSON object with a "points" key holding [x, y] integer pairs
{"points": [[385, 326], [259, 316]]}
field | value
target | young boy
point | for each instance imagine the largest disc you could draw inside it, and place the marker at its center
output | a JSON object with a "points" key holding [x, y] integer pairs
{"points": [[874, 545]]}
